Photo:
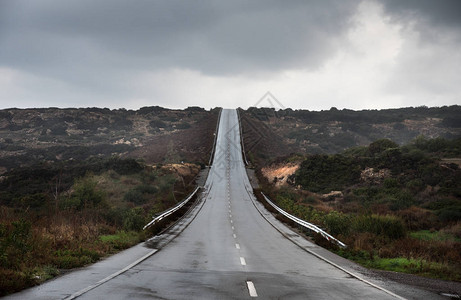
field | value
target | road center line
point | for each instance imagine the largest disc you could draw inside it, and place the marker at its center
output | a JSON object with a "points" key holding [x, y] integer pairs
{"points": [[242, 261], [252, 289]]}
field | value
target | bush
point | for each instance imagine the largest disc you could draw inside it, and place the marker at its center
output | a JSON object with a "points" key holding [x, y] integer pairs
{"points": [[183, 125], [381, 145], [337, 223], [140, 194], [134, 196], [85, 193], [403, 199], [133, 219], [13, 281], [15, 242], [416, 218], [122, 239], [388, 226], [157, 124], [450, 214], [390, 183], [324, 173]]}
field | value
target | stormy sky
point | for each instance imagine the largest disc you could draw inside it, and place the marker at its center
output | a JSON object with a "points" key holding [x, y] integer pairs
{"points": [[308, 54]]}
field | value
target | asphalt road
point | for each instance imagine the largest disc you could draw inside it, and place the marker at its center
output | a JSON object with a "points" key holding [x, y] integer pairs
{"points": [[229, 251], [229, 245]]}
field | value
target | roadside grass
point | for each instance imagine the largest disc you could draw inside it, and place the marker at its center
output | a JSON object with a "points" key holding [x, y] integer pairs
{"points": [[122, 239], [43, 273], [428, 235], [415, 266], [29, 255]]}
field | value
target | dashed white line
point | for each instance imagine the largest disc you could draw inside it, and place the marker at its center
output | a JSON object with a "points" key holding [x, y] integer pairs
{"points": [[242, 261], [234, 235], [237, 246], [231, 221], [252, 289], [233, 228]]}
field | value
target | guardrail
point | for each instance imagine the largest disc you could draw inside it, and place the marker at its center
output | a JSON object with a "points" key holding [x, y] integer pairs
{"points": [[215, 138], [241, 138], [171, 210], [303, 223]]}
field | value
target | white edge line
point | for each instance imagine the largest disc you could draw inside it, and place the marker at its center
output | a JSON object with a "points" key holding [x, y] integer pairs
{"points": [[252, 289], [89, 288]]}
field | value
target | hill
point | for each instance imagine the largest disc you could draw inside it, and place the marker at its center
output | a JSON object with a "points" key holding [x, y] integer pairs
{"points": [[282, 132], [28, 136]]}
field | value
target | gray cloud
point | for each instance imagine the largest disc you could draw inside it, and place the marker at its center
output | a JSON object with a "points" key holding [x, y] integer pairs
{"points": [[427, 65], [63, 51], [436, 13], [218, 39]]}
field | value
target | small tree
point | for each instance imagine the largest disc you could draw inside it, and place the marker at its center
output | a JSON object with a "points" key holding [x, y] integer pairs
{"points": [[86, 193]]}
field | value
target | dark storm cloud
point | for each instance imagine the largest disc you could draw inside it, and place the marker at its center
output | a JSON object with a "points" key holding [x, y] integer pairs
{"points": [[446, 13], [429, 66], [220, 38]]}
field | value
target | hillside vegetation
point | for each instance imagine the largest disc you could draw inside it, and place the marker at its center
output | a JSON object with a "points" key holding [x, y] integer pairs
{"points": [[270, 133], [396, 205], [154, 134]]}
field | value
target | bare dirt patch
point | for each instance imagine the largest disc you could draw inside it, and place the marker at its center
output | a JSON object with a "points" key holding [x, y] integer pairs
{"points": [[279, 174]]}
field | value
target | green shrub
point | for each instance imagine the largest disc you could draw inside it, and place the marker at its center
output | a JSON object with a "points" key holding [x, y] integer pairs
{"points": [[134, 196], [449, 214], [403, 199], [390, 183], [133, 219], [15, 242], [388, 226], [183, 125], [86, 193], [324, 173], [122, 239], [68, 259], [337, 223], [381, 145], [140, 194]]}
